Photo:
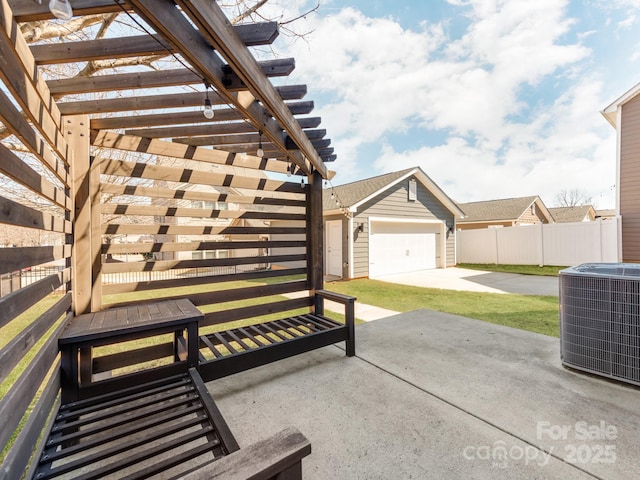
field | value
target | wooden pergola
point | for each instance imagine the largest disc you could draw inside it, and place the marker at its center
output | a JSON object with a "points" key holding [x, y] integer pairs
{"points": [[143, 198]]}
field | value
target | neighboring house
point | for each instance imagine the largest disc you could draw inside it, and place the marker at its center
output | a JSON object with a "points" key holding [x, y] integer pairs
{"points": [[624, 115], [606, 214], [578, 213], [393, 223], [505, 212]]}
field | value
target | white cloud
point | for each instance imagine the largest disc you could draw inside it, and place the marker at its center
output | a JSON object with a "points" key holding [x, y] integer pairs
{"points": [[383, 78]]}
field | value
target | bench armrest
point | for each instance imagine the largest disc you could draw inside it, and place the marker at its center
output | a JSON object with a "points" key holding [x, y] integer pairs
{"points": [[349, 314], [336, 297], [266, 459]]}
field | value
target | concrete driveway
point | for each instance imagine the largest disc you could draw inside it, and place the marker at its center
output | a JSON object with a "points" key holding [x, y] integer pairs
{"points": [[477, 281]]}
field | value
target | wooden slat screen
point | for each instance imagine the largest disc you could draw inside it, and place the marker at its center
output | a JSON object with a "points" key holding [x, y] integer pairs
{"points": [[36, 236], [218, 229]]}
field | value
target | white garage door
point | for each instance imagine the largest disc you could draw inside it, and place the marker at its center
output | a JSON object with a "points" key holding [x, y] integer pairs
{"points": [[401, 247]]}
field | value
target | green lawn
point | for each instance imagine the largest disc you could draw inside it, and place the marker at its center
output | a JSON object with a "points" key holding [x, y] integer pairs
{"points": [[528, 312], [546, 270]]}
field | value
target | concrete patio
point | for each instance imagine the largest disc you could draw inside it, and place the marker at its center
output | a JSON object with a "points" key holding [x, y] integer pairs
{"points": [[433, 395]]}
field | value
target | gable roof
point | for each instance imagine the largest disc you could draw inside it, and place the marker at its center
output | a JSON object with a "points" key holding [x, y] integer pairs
{"points": [[610, 113], [503, 209], [576, 213], [352, 195], [606, 213]]}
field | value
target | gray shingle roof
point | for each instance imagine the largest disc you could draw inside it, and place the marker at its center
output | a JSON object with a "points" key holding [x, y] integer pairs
{"points": [[351, 193], [570, 214], [494, 210]]}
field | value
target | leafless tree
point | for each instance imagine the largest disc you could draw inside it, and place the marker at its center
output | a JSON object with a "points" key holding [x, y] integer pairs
{"points": [[572, 198]]}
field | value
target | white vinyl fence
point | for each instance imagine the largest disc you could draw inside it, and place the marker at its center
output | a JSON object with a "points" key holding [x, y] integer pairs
{"points": [[541, 244]]}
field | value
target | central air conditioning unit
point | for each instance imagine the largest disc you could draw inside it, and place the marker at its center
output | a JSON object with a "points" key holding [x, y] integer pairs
{"points": [[600, 319]]}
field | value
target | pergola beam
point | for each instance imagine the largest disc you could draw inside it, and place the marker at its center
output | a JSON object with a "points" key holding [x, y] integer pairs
{"points": [[252, 139], [173, 100], [208, 129], [30, 11], [157, 79], [179, 118], [171, 23], [136, 46], [219, 32]]}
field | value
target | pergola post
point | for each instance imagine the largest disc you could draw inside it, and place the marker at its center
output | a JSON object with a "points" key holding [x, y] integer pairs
{"points": [[315, 232], [85, 192]]}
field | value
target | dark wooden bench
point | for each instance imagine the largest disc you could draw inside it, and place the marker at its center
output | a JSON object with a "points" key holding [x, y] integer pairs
{"points": [[238, 349], [134, 427]]}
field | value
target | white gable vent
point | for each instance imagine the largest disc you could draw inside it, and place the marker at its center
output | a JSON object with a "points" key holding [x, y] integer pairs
{"points": [[413, 190], [600, 319]]}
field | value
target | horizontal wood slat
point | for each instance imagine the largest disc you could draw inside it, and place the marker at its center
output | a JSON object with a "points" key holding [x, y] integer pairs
{"points": [[16, 463], [18, 126], [230, 295], [14, 213], [179, 212], [27, 97], [187, 282], [18, 69], [17, 258], [116, 248], [132, 143], [21, 300], [12, 353], [163, 265], [185, 175], [293, 200], [16, 401], [163, 229], [16, 169]]}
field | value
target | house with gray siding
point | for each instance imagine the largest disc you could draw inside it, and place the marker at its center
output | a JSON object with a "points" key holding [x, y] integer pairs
{"points": [[393, 223]]}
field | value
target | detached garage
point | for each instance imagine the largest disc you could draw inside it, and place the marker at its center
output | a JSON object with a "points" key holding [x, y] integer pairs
{"points": [[393, 223]]}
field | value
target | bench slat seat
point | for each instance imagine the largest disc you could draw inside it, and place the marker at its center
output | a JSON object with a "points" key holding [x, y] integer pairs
{"points": [[137, 432], [239, 349]]}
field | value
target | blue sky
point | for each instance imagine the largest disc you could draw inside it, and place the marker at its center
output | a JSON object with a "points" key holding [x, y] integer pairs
{"points": [[492, 98]]}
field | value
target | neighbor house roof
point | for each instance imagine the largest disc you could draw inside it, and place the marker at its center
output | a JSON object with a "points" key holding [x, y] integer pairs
{"points": [[611, 112], [606, 213], [577, 213], [352, 195], [504, 209]]}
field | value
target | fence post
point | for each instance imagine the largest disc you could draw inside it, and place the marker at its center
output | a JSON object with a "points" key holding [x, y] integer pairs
{"points": [[541, 258], [599, 220], [495, 236]]}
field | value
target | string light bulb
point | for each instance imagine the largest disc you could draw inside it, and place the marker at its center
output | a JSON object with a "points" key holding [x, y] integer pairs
{"points": [[288, 168], [208, 108], [61, 9], [260, 151]]}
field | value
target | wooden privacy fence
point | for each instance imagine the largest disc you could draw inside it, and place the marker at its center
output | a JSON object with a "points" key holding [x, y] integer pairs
{"points": [[124, 165], [541, 244]]}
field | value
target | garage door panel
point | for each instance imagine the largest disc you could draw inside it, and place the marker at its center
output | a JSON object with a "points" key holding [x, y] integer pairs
{"points": [[399, 247]]}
